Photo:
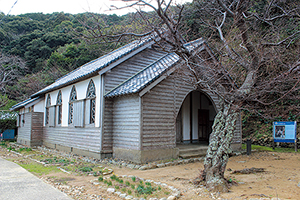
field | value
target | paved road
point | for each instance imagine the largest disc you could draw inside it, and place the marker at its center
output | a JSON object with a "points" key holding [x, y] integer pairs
{"points": [[18, 184]]}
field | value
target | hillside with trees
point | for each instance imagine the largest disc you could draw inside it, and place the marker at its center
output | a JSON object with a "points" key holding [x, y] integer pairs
{"points": [[36, 49]]}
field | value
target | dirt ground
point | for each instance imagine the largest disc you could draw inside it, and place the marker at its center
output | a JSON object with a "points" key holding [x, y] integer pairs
{"points": [[281, 178]]}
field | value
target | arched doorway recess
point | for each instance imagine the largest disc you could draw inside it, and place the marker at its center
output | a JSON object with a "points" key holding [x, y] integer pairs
{"points": [[195, 119]]}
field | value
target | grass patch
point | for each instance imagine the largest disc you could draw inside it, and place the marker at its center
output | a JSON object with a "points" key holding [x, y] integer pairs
{"points": [[3, 144], [134, 186], [39, 169], [263, 148]]}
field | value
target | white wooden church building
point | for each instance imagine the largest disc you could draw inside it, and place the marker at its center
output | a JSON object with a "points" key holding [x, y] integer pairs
{"points": [[129, 104]]}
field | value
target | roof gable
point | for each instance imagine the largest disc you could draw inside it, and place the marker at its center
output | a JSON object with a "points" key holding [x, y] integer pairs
{"points": [[151, 73]]}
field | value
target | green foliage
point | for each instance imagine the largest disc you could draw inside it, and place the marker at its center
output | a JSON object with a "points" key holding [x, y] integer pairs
{"points": [[100, 179], [133, 178], [24, 149], [145, 190], [148, 183], [7, 122], [39, 169], [86, 169], [264, 148], [113, 177], [109, 183], [127, 183]]}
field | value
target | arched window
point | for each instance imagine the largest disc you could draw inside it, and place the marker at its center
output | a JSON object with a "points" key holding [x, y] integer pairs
{"points": [[91, 95], [73, 97], [59, 109], [48, 104]]}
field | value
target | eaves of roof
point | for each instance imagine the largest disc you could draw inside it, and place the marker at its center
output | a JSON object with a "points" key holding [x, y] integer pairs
{"points": [[23, 103], [96, 65]]}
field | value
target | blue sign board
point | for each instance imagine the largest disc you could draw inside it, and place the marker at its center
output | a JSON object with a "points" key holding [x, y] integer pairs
{"points": [[285, 131]]}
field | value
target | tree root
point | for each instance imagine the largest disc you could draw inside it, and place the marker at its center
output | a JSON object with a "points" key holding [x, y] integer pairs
{"points": [[249, 171]]}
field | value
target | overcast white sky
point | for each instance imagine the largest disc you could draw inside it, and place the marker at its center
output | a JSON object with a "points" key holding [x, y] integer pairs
{"points": [[16, 7]]}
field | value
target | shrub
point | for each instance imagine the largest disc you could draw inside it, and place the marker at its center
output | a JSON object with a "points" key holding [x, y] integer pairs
{"points": [[86, 169], [113, 177], [133, 178]]}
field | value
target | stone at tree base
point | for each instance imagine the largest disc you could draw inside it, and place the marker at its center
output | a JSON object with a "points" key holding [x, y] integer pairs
{"points": [[122, 195], [145, 167], [111, 190], [171, 198]]}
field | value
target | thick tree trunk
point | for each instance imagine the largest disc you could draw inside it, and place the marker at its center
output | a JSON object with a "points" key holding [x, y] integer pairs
{"points": [[219, 148]]}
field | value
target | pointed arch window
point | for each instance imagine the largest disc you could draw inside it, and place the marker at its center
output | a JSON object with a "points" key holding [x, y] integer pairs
{"points": [[59, 107], [73, 98], [91, 102], [48, 104]]}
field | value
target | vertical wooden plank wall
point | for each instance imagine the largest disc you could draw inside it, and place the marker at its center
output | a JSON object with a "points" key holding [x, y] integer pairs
{"points": [[126, 131], [24, 131], [107, 139], [37, 128]]}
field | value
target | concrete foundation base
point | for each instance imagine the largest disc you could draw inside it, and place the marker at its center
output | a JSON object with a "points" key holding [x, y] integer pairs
{"points": [[145, 156], [23, 141], [29, 143], [236, 146], [77, 151]]}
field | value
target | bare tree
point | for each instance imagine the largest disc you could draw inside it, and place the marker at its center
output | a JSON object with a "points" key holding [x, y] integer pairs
{"points": [[11, 68], [254, 66]]}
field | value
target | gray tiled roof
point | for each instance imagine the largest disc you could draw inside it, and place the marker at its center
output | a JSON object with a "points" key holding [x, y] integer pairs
{"points": [[23, 103], [151, 73], [96, 65], [145, 77]]}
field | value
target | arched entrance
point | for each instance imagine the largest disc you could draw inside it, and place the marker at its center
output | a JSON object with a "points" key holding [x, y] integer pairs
{"points": [[195, 119]]}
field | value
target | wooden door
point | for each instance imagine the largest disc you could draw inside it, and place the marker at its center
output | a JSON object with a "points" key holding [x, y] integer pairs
{"points": [[179, 137], [203, 125]]}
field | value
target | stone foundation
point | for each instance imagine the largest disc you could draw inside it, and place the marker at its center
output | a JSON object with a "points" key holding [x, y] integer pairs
{"points": [[236, 146], [145, 156], [77, 151]]}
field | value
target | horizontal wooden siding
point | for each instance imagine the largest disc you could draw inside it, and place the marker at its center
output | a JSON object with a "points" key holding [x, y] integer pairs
{"points": [[132, 66], [81, 138]]}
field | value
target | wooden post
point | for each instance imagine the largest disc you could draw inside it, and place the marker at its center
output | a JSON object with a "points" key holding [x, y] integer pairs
{"points": [[191, 117], [248, 147]]}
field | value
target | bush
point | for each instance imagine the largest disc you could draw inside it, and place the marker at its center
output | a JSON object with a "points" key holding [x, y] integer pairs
{"points": [[86, 169]]}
